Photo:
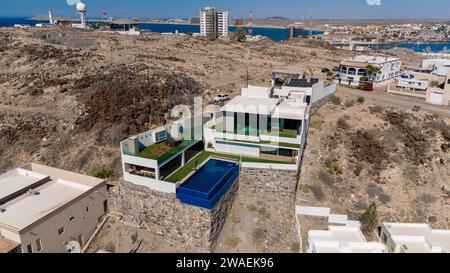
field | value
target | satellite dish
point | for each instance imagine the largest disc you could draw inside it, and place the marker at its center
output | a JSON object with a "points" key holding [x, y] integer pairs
{"points": [[73, 247]]}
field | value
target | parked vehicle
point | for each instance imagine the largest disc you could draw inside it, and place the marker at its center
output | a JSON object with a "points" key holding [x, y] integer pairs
{"points": [[221, 97]]}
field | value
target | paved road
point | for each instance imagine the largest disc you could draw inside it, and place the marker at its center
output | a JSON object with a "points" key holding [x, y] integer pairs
{"points": [[397, 101]]}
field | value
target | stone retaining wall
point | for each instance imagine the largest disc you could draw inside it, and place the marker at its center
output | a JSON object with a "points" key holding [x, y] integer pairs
{"points": [[189, 228]]}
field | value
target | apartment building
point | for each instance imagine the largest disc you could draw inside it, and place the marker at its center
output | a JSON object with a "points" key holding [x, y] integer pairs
{"points": [[213, 23], [354, 71], [45, 210]]}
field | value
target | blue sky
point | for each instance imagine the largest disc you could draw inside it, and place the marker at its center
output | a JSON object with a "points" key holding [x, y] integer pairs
{"points": [[295, 9]]}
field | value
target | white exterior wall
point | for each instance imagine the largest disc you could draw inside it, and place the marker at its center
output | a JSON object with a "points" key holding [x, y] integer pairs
{"points": [[222, 23], [237, 149], [84, 223], [154, 184], [413, 84]]}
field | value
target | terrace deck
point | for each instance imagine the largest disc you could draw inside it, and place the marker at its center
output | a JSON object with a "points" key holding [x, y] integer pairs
{"points": [[182, 172], [162, 151]]}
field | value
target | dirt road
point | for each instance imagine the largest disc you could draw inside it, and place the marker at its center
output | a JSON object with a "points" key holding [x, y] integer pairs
{"points": [[397, 101]]}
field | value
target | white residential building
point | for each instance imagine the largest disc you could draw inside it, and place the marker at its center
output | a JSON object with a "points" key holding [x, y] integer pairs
{"points": [[44, 210], [222, 23], [413, 84], [263, 128], [413, 238], [213, 23], [438, 66], [266, 123], [345, 236], [353, 71], [341, 239]]}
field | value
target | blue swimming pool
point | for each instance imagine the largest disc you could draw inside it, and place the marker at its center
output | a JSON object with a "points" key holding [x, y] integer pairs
{"points": [[208, 184]]}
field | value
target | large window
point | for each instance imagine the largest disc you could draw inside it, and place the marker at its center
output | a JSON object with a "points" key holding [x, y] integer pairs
{"points": [[29, 248]]}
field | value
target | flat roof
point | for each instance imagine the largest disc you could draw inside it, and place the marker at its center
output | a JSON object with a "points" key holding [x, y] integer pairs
{"points": [[418, 237], [290, 109], [31, 206], [363, 59], [17, 180], [251, 105], [342, 239]]}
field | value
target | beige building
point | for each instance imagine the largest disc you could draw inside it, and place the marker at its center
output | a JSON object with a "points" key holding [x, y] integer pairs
{"points": [[43, 209], [440, 95]]}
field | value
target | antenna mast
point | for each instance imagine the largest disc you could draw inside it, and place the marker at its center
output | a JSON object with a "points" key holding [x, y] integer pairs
{"points": [[250, 23]]}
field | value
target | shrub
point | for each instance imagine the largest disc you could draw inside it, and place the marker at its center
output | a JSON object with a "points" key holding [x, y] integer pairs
{"points": [[360, 100], [233, 241], [369, 219], [335, 100], [334, 168], [361, 86], [251, 207], [342, 124], [103, 173], [434, 83], [349, 103]]}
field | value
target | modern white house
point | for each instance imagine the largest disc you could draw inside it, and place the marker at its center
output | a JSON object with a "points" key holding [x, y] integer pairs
{"points": [[341, 235], [354, 71], [47, 210], [213, 23], [264, 127], [342, 239], [266, 123], [413, 238]]}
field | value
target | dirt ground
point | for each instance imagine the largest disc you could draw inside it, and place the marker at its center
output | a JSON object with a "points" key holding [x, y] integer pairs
{"points": [[359, 153], [262, 217], [68, 97], [132, 239]]}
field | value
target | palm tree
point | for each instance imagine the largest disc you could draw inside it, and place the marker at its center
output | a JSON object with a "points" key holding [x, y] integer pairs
{"points": [[372, 72]]}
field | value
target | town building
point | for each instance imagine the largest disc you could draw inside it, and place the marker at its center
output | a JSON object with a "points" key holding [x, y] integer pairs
{"points": [[213, 23], [413, 238], [341, 239], [433, 89], [437, 66], [44, 209], [321, 231], [354, 71]]}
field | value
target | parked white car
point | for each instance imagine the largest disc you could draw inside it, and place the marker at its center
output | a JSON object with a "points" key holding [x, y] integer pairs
{"points": [[221, 97]]}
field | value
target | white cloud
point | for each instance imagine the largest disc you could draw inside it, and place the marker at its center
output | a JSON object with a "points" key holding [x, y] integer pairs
{"points": [[374, 2], [74, 2]]}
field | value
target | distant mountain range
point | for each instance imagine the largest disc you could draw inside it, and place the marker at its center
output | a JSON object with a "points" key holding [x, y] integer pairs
{"points": [[276, 18]]}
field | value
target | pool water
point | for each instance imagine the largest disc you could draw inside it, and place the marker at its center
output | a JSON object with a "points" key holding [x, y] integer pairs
{"points": [[208, 184]]}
